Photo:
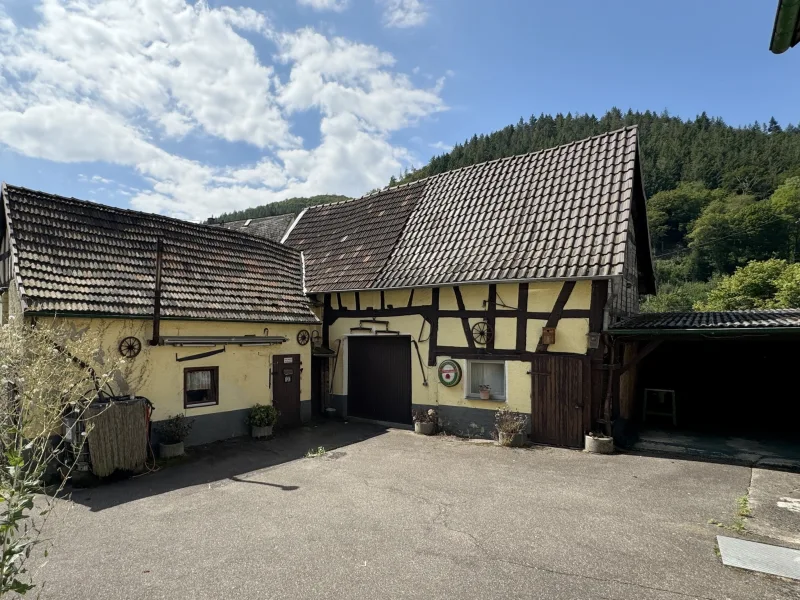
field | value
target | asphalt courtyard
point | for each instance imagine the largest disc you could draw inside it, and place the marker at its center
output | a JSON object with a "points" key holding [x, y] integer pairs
{"points": [[387, 514]]}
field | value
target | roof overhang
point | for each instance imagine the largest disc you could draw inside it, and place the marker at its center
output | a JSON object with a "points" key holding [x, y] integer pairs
{"points": [[705, 332], [786, 31]]}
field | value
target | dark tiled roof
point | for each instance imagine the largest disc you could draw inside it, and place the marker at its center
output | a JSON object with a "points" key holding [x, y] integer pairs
{"points": [[347, 244], [74, 256], [556, 214], [271, 228], [739, 319]]}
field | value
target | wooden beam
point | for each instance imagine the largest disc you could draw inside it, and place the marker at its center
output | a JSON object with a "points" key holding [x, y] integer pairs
{"points": [[358, 300], [157, 294], [648, 348], [522, 317], [339, 301], [491, 314], [558, 309], [598, 304], [434, 321], [411, 298], [327, 315], [464, 320], [383, 300], [400, 311]]}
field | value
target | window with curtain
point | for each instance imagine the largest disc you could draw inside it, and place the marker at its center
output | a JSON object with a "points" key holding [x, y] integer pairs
{"points": [[491, 373], [200, 387]]}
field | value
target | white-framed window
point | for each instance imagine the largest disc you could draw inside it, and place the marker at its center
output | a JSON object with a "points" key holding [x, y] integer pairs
{"points": [[486, 372]]}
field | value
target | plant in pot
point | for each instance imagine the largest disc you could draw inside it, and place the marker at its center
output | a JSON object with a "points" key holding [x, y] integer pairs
{"points": [[173, 431], [599, 443], [425, 421], [261, 420], [485, 391], [510, 426]]}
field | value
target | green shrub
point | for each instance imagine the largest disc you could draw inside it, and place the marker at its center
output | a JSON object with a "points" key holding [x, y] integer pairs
{"points": [[262, 416]]}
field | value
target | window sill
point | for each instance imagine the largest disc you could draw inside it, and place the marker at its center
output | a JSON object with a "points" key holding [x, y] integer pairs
{"points": [[200, 405], [492, 399]]}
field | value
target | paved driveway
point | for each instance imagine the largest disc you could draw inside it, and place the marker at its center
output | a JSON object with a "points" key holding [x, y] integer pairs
{"points": [[392, 515]]}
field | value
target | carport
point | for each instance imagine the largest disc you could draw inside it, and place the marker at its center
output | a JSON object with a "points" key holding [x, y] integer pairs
{"points": [[709, 382]]}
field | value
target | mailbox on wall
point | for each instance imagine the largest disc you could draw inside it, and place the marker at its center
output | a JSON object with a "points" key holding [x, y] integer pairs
{"points": [[548, 335]]}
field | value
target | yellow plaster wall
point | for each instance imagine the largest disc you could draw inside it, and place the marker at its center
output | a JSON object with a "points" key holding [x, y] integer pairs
{"points": [[542, 296], [370, 299], [348, 300], [447, 299], [505, 333], [422, 297], [581, 296], [474, 296], [397, 298], [507, 293], [451, 332], [243, 370]]}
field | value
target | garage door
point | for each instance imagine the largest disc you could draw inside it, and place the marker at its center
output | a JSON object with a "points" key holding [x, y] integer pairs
{"points": [[379, 378]]}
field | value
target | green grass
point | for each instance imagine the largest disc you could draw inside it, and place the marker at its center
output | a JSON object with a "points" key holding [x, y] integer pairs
{"points": [[315, 452]]}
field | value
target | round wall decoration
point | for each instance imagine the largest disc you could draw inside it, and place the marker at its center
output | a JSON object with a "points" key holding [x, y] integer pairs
{"points": [[303, 336], [449, 373], [130, 347], [482, 332]]}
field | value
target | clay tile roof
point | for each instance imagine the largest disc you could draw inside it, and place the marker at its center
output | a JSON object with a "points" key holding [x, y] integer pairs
{"points": [[73, 256], [739, 319], [555, 214], [271, 228]]}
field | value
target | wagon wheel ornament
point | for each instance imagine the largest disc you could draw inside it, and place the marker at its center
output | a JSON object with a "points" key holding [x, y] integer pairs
{"points": [[481, 333], [303, 336], [316, 338], [130, 347]]}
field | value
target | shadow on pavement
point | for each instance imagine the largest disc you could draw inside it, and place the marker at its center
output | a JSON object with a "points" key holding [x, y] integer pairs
{"points": [[226, 460]]}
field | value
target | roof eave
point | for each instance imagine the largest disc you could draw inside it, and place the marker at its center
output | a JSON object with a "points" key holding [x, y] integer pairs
{"points": [[704, 331], [786, 31], [480, 282]]}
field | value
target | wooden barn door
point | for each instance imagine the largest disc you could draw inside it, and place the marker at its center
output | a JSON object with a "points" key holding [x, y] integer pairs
{"points": [[379, 378], [559, 400]]}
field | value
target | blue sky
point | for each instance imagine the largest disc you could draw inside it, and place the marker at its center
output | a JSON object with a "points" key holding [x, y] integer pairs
{"points": [[203, 108]]}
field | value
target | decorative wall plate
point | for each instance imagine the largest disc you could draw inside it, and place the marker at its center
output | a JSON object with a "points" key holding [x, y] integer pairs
{"points": [[449, 373]]}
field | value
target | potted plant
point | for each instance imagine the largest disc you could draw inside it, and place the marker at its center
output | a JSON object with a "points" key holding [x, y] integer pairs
{"points": [[599, 443], [510, 426], [172, 432], [485, 391], [425, 421], [261, 420]]}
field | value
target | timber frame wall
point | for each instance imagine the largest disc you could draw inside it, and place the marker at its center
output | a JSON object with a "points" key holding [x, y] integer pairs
{"points": [[432, 313]]}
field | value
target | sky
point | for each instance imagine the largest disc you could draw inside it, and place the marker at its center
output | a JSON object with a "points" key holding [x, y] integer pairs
{"points": [[194, 109]]}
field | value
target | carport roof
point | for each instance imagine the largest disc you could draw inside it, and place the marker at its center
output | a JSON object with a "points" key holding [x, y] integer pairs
{"points": [[779, 320]]}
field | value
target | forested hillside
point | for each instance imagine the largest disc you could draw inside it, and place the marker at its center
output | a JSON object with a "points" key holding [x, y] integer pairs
{"points": [[291, 205], [720, 197]]}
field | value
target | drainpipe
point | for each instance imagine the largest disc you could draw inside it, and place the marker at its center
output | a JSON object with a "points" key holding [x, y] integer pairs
{"points": [[157, 298]]}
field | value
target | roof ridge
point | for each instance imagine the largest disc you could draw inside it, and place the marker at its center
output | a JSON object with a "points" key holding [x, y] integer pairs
{"points": [[486, 162], [282, 215], [154, 216]]}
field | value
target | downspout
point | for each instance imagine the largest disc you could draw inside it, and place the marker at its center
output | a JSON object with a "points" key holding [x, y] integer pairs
{"points": [[786, 23], [157, 297]]}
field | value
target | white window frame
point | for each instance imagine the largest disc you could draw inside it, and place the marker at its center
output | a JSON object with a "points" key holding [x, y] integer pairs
{"points": [[468, 395]]}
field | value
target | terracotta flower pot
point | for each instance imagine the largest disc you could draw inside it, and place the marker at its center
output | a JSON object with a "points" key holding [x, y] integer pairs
{"points": [[424, 428], [260, 432], [515, 440], [170, 450], [486, 394]]}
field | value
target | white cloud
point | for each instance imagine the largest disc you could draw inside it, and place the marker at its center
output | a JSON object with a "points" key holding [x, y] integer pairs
{"points": [[404, 13], [441, 146], [82, 85], [334, 5]]}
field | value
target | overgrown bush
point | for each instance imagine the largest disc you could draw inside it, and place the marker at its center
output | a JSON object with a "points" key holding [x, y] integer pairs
{"points": [[46, 371], [510, 422], [425, 416], [174, 429], [262, 416]]}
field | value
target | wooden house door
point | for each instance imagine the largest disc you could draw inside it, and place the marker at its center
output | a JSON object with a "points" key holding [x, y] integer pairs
{"points": [[559, 400], [286, 388]]}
